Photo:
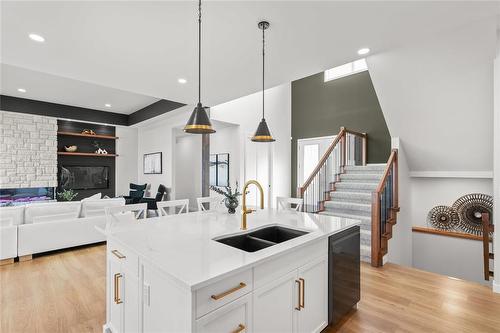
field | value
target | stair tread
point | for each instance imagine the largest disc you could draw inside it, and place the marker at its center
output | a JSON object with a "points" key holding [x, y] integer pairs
{"points": [[348, 216], [347, 203]]}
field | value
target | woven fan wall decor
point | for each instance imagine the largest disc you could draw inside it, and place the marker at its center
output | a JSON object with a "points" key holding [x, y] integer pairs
{"points": [[470, 207], [443, 218]]}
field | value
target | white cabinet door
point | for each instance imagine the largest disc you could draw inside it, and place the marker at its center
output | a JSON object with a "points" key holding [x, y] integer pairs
{"points": [[313, 316], [274, 305], [114, 292], [130, 304], [234, 317]]}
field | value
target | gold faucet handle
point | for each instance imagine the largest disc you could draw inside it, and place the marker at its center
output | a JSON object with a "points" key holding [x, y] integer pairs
{"points": [[248, 211]]}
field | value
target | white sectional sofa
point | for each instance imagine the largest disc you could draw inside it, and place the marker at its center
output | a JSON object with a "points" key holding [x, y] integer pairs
{"points": [[52, 226], [10, 218]]}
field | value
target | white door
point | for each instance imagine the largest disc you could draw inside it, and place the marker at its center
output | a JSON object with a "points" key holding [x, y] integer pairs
{"points": [[274, 305], [131, 307], [313, 316], [309, 152], [258, 166]]}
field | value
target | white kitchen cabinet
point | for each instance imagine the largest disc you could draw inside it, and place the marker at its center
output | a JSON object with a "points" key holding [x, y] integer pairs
{"points": [[287, 292], [274, 305], [296, 302], [313, 314], [235, 317], [123, 292]]}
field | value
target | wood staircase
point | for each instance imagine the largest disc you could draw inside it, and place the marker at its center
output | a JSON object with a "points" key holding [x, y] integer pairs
{"points": [[488, 229], [342, 184]]}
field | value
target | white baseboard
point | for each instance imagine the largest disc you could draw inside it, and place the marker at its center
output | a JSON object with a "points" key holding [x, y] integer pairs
{"points": [[452, 174], [496, 286]]}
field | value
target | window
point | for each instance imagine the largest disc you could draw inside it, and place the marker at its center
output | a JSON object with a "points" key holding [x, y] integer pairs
{"points": [[346, 70], [219, 169]]}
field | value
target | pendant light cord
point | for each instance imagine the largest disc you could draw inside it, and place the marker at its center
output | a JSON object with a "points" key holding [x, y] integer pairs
{"points": [[263, 72], [199, 51]]}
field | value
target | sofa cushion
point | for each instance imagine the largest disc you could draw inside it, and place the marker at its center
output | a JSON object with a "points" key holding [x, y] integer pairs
{"points": [[35, 211], [96, 207], [70, 217], [11, 216]]}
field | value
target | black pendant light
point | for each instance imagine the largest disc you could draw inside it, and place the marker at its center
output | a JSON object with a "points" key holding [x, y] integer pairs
{"points": [[263, 134], [199, 123]]}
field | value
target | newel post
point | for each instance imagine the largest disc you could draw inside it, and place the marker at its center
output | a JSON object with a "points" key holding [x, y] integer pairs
{"points": [[375, 226]]}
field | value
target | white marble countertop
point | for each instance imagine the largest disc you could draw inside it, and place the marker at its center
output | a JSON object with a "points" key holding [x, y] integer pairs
{"points": [[182, 246]]}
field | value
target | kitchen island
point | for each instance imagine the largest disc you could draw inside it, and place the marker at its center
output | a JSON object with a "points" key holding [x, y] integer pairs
{"points": [[176, 274]]}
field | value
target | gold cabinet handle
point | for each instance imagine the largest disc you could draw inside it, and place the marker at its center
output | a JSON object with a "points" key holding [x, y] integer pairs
{"points": [[240, 328], [303, 293], [118, 254], [300, 295], [117, 288], [230, 291]]}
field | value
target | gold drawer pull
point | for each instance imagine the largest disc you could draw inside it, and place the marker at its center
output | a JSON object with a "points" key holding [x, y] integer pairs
{"points": [[300, 293], [117, 288], [230, 291], [118, 254], [240, 328], [303, 295]]}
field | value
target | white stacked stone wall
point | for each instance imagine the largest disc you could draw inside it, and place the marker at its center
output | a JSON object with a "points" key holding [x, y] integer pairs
{"points": [[28, 150]]}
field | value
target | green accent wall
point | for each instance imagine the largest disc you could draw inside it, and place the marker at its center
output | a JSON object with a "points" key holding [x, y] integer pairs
{"points": [[320, 108]]}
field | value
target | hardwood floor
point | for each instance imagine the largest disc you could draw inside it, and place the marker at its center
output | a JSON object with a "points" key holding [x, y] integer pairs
{"points": [[64, 292]]}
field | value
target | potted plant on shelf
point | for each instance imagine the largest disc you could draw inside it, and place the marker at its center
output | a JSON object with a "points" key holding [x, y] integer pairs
{"points": [[66, 195], [231, 197]]}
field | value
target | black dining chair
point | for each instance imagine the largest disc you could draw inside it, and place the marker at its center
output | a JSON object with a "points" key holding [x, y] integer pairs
{"points": [[160, 194], [135, 194]]}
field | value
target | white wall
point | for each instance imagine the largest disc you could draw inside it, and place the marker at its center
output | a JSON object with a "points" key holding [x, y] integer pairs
{"points": [[455, 257], [437, 96], [246, 112], [427, 193], [226, 140], [188, 169], [158, 135], [400, 245], [126, 162]]}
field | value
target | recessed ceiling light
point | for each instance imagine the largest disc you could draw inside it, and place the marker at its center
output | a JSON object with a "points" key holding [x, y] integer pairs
{"points": [[21, 90], [363, 51], [182, 81], [107, 105], [37, 38]]}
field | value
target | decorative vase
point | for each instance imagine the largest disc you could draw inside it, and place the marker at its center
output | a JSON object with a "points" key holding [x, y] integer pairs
{"points": [[70, 149], [231, 204]]}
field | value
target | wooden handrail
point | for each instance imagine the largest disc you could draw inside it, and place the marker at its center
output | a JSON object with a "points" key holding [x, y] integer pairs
{"points": [[340, 136], [324, 158], [388, 167], [487, 228], [377, 248], [362, 135]]}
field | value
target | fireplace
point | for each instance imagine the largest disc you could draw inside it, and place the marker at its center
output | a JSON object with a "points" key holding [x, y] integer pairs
{"points": [[22, 196]]}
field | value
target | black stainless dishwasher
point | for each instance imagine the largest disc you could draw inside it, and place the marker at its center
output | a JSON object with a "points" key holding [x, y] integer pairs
{"points": [[343, 273]]}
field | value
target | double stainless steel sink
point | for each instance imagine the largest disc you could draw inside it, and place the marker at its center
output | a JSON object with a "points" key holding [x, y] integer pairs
{"points": [[261, 238]]}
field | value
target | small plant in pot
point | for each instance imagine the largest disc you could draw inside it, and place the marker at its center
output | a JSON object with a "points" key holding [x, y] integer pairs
{"points": [[66, 195], [231, 197]]}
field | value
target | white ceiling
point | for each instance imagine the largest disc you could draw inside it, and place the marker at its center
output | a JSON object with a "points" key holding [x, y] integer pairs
{"points": [[56, 89], [145, 47]]}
